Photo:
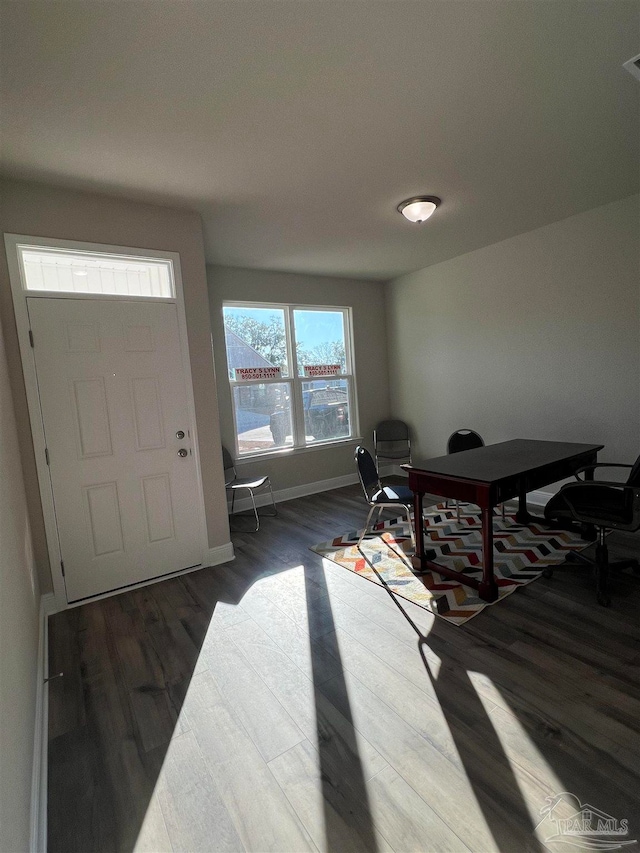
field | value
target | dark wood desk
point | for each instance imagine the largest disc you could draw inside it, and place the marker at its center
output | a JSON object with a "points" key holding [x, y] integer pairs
{"points": [[487, 476]]}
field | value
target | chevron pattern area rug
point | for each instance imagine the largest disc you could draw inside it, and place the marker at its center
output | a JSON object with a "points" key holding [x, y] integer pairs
{"points": [[521, 553]]}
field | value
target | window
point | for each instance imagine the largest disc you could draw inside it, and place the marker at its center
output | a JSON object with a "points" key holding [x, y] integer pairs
{"points": [[68, 271], [291, 375]]}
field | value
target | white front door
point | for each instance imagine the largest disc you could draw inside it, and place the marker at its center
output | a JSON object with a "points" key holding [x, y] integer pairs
{"points": [[113, 393]]}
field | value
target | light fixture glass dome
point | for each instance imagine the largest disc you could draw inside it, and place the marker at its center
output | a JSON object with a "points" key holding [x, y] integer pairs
{"points": [[419, 208]]}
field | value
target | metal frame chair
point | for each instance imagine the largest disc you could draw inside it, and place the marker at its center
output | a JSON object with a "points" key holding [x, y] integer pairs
{"points": [[234, 484], [379, 496], [391, 440], [605, 504], [465, 439]]}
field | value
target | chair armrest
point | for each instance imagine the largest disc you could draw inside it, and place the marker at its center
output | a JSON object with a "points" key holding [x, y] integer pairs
{"points": [[600, 465], [595, 484]]}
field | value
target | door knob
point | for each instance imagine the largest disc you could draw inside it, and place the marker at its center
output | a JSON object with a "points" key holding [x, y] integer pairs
{"points": [[182, 452], [180, 434]]}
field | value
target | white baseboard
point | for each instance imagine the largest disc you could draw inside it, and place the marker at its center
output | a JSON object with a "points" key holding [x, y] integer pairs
{"points": [[536, 498], [539, 498], [219, 554], [393, 471], [264, 499], [48, 604], [38, 841], [302, 491]]}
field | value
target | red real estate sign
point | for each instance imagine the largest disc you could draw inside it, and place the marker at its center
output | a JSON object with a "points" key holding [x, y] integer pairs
{"points": [[322, 369], [244, 373]]}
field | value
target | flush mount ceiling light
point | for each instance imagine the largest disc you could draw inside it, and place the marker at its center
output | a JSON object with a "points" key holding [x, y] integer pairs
{"points": [[418, 208]]}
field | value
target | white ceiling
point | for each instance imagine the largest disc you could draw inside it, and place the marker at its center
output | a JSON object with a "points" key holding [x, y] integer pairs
{"points": [[296, 126]]}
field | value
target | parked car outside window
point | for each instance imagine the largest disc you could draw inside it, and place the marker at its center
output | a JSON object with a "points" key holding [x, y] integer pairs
{"points": [[326, 415]]}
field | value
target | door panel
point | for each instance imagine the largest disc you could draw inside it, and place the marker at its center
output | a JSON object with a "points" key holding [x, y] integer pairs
{"points": [[147, 414], [89, 403], [158, 508], [105, 518], [113, 396]]}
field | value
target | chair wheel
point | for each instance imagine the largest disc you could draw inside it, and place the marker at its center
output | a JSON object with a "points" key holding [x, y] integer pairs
{"points": [[548, 572], [603, 600]]}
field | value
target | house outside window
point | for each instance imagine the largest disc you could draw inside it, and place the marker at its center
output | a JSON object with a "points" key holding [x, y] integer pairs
{"points": [[291, 375]]}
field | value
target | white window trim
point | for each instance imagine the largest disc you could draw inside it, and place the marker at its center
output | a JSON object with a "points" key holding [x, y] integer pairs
{"points": [[20, 295], [296, 381], [280, 452], [92, 249]]}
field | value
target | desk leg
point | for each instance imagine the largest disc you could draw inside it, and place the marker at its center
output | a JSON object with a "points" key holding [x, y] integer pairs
{"points": [[418, 529], [488, 587], [522, 515], [588, 531]]}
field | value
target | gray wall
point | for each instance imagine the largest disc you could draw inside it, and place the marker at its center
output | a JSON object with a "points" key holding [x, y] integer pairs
{"points": [[366, 300], [37, 210], [534, 337], [19, 604]]}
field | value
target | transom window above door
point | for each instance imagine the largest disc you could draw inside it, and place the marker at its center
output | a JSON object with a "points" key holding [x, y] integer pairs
{"points": [[51, 270], [291, 375]]}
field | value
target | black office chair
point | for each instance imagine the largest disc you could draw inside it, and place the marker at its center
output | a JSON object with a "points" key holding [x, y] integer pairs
{"points": [[391, 440], [464, 439], [379, 496], [233, 484], [607, 506]]}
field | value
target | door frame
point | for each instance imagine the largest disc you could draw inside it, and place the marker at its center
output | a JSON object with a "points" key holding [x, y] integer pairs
{"points": [[20, 295]]}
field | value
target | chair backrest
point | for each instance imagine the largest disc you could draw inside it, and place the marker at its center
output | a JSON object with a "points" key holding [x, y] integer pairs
{"points": [[634, 477], [464, 439], [367, 471], [229, 466], [391, 440], [391, 431]]}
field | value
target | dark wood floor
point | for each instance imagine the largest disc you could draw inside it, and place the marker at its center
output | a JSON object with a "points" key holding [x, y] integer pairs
{"points": [[280, 703]]}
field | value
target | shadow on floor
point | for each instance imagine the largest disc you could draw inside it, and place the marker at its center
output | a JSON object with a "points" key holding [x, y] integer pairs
{"points": [[129, 661], [490, 700]]}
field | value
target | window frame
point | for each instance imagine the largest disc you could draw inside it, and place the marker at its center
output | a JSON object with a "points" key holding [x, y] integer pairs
{"points": [[74, 247], [295, 381]]}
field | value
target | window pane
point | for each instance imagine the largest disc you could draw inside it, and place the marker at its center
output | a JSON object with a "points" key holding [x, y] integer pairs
{"points": [[255, 337], [62, 271], [319, 339], [263, 416], [326, 409]]}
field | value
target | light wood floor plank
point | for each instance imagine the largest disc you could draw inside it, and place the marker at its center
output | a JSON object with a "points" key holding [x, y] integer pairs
{"points": [[261, 814], [195, 815], [336, 816], [288, 635], [153, 836], [454, 728], [270, 726], [444, 787], [406, 820], [316, 716]]}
